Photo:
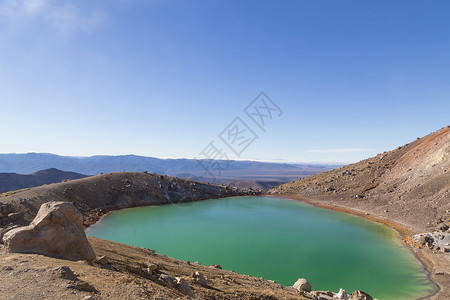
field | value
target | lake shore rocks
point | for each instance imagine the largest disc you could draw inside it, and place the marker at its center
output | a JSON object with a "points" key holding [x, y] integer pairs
{"points": [[302, 285], [439, 241]]}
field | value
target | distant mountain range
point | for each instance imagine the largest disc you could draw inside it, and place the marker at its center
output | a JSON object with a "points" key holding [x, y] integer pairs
{"points": [[14, 181], [185, 168]]}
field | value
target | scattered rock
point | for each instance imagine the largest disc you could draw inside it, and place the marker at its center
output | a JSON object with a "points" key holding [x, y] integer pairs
{"points": [[424, 239], [168, 280], [107, 266], [360, 295], [56, 231], [64, 272], [200, 278], [443, 227], [342, 294], [433, 240], [151, 267], [150, 250], [184, 287], [302, 285], [215, 266], [103, 260], [81, 286], [325, 297]]}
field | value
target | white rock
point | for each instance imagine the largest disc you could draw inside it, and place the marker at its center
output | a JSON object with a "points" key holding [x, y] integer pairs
{"points": [[302, 285]]}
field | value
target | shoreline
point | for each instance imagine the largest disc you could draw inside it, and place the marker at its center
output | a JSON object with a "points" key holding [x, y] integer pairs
{"points": [[402, 231]]}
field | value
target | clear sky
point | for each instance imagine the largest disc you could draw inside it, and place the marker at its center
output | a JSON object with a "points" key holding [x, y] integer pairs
{"points": [[165, 78]]}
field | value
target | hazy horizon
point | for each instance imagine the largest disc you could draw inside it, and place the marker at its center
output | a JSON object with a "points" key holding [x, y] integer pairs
{"points": [[343, 81]]}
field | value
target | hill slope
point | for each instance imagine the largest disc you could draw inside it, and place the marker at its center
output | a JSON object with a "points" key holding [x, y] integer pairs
{"points": [[410, 184], [96, 194], [14, 181]]}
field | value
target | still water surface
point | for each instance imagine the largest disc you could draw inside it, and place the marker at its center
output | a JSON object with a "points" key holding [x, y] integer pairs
{"points": [[278, 239]]}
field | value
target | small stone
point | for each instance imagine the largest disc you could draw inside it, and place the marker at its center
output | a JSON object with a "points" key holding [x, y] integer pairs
{"points": [[443, 227], [200, 278], [107, 266], [103, 260], [151, 267], [184, 287], [325, 297], [216, 266], [64, 272], [342, 294], [360, 295], [302, 285], [168, 280], [81, 286]]}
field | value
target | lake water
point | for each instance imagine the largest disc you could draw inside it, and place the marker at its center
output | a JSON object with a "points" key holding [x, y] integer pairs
{"points": [[278, 239]]}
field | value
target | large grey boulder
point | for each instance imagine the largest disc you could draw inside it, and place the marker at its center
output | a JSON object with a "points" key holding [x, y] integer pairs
{"points": [[56, 231]]}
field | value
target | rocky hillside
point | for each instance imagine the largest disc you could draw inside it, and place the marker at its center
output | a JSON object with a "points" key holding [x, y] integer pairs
{"points": [[259, 185], [96, 195], [410, 184], [14, 181]]}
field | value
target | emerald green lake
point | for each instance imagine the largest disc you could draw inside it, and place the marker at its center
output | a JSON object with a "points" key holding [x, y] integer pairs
{"points": [[278, 239]]}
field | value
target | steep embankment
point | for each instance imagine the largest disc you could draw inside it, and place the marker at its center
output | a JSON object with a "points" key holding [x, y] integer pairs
{"points": [[410, 184], [95, 195], [407, 188], [14, 181]]}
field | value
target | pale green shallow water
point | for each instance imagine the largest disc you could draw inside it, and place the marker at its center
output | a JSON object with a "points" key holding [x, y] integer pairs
{"points": [[278, 239]]}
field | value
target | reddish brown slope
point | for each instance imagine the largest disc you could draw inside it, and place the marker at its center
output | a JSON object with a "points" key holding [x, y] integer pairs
{"points": [[409, 185]]}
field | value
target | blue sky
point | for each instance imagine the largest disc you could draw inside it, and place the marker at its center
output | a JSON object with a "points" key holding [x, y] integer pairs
{"points": [[164, 78]]}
